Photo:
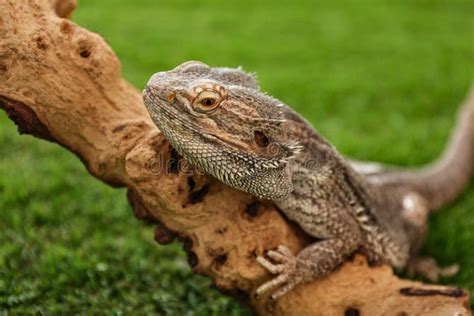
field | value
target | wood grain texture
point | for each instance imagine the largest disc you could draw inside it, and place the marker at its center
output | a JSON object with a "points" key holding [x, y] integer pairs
{"points": [[63, 83]]}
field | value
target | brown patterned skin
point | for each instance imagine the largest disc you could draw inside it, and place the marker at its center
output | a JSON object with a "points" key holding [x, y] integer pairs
{"points": [[219, 120]]}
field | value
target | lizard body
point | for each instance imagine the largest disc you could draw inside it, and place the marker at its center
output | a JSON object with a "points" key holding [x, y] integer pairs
{"points": [[219, 120]]}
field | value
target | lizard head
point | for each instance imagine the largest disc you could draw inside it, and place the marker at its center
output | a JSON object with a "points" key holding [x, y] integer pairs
{"points": [[220, 122]]}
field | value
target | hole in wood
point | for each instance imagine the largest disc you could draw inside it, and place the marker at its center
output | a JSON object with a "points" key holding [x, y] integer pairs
{"points": [[173, 164], [410, 291], [221, 259], [252, 209], [84, 52], [198, 195], [41, 43], [350, 311], [191, 183]]}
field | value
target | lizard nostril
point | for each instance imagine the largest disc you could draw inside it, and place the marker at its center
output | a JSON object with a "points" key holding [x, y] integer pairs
{"points": [[171, 96], [261, 139]]}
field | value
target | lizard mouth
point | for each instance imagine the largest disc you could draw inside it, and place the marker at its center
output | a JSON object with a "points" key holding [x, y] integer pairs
{"points": [[162, 108], [165, 111]]}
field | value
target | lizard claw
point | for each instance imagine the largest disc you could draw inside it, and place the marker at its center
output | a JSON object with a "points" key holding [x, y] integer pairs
{"points": [[285, 267]]}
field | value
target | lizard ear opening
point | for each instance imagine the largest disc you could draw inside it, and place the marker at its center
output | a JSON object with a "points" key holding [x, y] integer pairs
{"points": [[261, 139]]}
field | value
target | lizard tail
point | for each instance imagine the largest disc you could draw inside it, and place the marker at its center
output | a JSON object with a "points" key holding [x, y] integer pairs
{"points": [[443, 180]]}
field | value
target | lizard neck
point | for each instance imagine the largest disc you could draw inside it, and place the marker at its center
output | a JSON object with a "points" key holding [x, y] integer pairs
{"points": [[322, 178], [320, 159]]}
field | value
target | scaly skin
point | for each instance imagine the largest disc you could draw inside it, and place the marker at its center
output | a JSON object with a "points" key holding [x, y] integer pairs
{"points": [[219, 120]]}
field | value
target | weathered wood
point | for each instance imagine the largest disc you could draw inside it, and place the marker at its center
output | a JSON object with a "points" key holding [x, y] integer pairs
{"points": [[63, 83]]}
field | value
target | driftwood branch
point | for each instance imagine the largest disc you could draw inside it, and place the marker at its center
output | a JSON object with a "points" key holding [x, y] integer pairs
{"points": [[62, 83]]}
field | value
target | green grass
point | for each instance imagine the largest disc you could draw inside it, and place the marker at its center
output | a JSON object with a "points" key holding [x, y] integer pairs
{"points": [[380, 79]]}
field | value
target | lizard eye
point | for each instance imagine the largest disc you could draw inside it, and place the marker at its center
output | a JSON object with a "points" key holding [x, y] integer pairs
{"points": [[207, 101]]}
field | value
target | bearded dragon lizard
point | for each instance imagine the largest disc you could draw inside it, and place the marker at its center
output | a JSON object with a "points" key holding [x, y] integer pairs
{"points": [[219, 120]]}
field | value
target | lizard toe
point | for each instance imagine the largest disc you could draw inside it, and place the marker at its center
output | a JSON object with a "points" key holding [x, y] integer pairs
{"points": [[285, 250], [271, 267], [272, 284], [283, 290], [279, 256]]}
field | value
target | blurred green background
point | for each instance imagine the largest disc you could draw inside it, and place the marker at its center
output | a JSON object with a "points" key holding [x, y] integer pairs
{"points": [[380, 79]]}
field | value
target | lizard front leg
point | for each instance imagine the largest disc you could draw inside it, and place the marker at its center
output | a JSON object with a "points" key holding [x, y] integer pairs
{"points": [[314, 261]]}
